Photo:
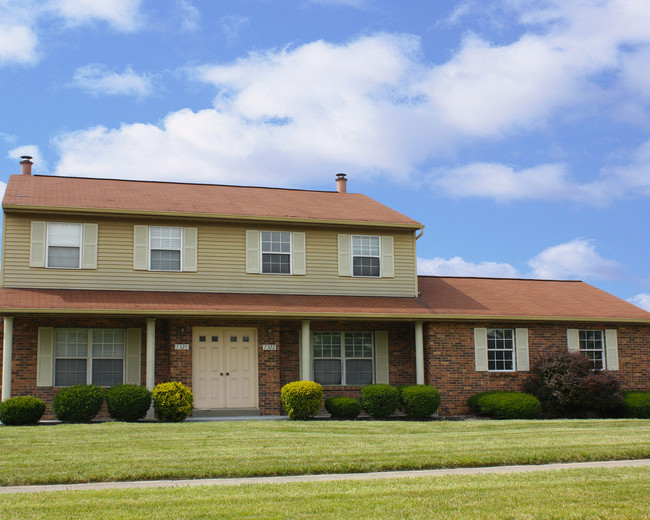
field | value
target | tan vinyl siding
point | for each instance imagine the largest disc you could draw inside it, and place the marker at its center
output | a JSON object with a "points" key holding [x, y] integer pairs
{"points": [[221, 262]]}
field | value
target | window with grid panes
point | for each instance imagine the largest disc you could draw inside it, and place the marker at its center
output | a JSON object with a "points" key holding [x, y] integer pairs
{"points": [[276, 252], [592, 345], [165, 244], [365, 256], [89, 356], [501, 349], [63, 245], [343, 358]]}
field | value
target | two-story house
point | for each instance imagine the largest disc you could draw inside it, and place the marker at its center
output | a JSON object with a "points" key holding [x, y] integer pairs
{"points": [[236, 291]]}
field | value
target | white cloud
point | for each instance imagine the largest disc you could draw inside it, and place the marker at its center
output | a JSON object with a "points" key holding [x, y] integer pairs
{"points": [[232, 26], [121, 14], [375, 107], [190, 15], [575, 259], [641, 300], [17, 44], [3, 187], [458, 267], [40, 166], [97, 79]]}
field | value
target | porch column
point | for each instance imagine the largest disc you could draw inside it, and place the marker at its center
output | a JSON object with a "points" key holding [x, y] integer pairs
{"points": [[7, 348], [305, 352], [419, 353], [151, 353]]}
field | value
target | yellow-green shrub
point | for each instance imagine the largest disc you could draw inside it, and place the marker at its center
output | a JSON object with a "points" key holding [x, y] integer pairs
{"points": [[173, 402], [301, 399]]}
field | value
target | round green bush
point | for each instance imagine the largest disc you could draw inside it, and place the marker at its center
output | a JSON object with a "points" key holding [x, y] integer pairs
{"points": [[128, 403], [301, 399], [343, 407], [78, 403], [380, 400], [636, 404], [473, 400], [419, 401], [18, 411], [173, 402], [510, 405]]}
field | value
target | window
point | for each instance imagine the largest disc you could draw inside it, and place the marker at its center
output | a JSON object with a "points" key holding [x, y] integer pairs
{"points": [[63, 245], [500, 349], [592, 345], [343, 358], [365, 256], [89, 356], [276, 252], [165, 245]]}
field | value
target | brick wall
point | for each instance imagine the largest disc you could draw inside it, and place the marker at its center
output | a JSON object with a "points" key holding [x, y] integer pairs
{"points": [[450, 365]]}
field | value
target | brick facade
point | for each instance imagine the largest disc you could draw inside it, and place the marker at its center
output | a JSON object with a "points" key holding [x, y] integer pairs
{"points": [[448, 351]]}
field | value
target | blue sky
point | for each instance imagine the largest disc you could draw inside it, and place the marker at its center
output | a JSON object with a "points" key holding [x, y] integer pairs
{"points": [[517, 131]]}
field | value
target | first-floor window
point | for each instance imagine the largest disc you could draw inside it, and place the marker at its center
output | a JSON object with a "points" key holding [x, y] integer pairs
{"points": [[500, 349], [343, 358], [89, 356], [593, 346]]}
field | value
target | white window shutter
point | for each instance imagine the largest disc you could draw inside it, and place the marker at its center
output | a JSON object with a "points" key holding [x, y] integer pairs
{"points": [[480, 349], [252, 251], [298, 256], [89, 240], [37, 244], [611, 349], [45, 357], [190, 248], [345, 255], [133, 367], [387, 257], [521, 345], [573, 340], [381, 357], [141, 248]]}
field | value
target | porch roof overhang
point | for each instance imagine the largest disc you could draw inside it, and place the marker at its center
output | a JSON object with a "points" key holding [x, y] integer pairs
{"points": [[443, 299]]}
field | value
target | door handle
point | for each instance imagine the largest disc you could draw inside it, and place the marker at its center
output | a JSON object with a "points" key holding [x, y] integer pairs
{"points": [[227, 373], [221, 374]]}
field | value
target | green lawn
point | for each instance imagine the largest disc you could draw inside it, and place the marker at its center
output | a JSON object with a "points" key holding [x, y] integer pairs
{"points": [[614, 493], [119, 451]]}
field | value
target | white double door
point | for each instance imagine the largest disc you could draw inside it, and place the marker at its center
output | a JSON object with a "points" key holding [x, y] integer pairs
{"points": [[225, 368]]}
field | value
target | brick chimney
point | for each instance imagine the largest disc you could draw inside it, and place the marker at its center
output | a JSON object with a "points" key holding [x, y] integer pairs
{"points": [[341, 181], [26, 165]]}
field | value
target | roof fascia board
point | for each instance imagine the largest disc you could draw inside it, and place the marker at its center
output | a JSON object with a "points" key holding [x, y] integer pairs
{"points": [[209, 216], [328, 315]]}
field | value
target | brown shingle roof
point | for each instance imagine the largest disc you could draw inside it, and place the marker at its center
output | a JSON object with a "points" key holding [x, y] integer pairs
{"points": [[441, 298], [209, 200]]}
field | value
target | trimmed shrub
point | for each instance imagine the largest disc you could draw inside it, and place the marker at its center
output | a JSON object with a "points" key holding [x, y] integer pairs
{"points": [[343, 407], [78, 403], [473, 400], [301, 399], [567, 386], [173, 402], [509, 405], [636, 405], [128, 403], [18, 411], [419, 401], [380, 400]]}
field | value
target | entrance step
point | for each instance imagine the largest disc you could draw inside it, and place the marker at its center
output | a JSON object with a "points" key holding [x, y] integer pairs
{"points": [[226, 412]]}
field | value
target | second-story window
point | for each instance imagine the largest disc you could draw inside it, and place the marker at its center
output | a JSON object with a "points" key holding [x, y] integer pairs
{"points": [[165, 245], [63, 245], [365, 256], [276, 252]]}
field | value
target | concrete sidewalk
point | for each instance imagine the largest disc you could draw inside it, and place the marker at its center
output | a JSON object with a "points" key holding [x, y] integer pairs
{"points": [[322, 478]]}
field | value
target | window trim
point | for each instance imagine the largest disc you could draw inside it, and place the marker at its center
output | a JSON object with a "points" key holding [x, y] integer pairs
{"points": [[602, 350], [79, 247], [513, 349], [180, 250], [262, 252], [89, 358], [343, 357], [353, 256]]}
